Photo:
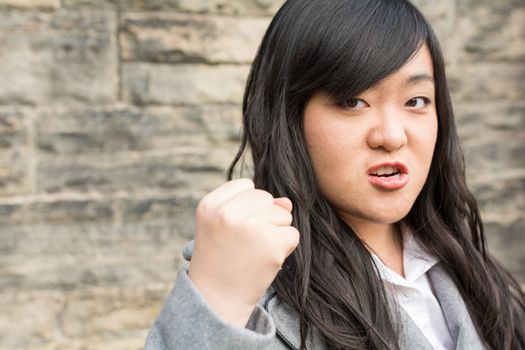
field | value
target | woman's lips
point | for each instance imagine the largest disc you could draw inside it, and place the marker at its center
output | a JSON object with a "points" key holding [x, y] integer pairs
{"points": [[378, 177], [393, 182]]}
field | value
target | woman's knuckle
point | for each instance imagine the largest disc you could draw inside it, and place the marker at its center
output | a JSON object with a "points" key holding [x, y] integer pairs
{"points": [[264, 195], [226, 216], [276, 262], [294, 236], [289, 218], [203, 207]]}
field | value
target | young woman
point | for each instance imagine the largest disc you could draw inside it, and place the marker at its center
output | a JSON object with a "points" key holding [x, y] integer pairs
{"points": [[358, 230]]}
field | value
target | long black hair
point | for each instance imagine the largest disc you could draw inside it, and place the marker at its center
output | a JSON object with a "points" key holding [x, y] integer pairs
{"points": [[342, 48]]}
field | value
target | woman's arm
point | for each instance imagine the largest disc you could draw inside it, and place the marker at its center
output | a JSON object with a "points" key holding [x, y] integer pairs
{"points": [[187, 322], [243, 235]]}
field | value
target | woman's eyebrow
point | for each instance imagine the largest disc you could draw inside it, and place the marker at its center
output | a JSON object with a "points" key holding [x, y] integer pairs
{"points": [[418, 78]]}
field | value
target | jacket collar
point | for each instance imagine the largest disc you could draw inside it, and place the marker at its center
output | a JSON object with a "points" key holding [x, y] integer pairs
{"points": [[456, 314], [458, 319], [287, 324], [287, 327]]}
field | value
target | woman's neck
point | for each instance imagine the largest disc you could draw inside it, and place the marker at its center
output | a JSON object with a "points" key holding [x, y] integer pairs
{"points": [[385, 241]]}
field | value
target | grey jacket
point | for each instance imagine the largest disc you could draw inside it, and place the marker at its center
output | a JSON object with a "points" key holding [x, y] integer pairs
{"points": [[187, 322]]}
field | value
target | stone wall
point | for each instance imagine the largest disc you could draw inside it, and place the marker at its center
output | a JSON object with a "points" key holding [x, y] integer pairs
{"points": [[116, 116]]}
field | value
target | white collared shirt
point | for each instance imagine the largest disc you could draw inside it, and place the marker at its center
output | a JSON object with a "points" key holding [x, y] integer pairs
{"points": [[414, 292]]}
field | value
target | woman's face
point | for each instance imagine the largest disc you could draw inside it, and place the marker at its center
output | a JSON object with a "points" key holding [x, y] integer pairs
{"points": [[371, 155]]}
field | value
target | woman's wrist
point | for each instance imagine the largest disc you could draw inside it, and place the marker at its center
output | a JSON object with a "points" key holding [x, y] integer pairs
{"points": [[230, 309]]}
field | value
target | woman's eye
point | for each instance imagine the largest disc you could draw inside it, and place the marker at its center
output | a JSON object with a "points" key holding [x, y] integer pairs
{"points": [[354, 103], [418, 102]]}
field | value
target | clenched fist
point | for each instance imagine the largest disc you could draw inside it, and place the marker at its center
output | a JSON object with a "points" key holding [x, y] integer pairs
{"points": [[243, 235]]}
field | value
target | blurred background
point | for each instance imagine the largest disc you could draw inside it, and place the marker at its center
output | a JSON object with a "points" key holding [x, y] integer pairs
{"points": [[117, 116]]}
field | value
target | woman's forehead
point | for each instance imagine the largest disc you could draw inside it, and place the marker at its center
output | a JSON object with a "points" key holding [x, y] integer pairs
{"points": [[419, 69]]}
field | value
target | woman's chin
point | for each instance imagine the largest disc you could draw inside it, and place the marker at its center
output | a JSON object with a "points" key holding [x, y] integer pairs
{"points": [[375, 216], [388, 215]]}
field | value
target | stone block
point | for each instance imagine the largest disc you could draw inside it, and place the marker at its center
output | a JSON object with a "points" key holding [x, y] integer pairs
{"points": [[191, 6], [33, 210], [487, 81], [111, 311], [442, 17], [66, 256], [159, 37], [502, 200], [243, 7], [492, 119], [231, 7], [488, 35], [190, 167], [505, 242], [84, 130], [141, 241], [15, 154], [141, 5], [153, 208], [184, 84], [64, 245], [502, 204], [126, 341], [493, 158], [28, 319], [86, 319], [30, 4], [486, 7], [493, 138], [61, 56], [82, 208]]}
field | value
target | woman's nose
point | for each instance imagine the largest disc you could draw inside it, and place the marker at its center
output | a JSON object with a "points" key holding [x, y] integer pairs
{"points": [[389, 133]]}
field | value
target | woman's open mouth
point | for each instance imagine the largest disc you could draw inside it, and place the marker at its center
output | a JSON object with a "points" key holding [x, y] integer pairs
{"points": [[388, 176]]}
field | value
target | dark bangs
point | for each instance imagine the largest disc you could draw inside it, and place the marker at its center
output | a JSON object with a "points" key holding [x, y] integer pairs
{"points": [[345, 52]]}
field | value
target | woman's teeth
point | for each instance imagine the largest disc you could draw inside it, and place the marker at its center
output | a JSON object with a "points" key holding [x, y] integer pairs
{"points": [[387, 171]]}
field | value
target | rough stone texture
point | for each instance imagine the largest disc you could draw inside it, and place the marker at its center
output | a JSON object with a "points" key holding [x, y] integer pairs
{"points": [[15, 163], [76, 255], [134, 172], [62, 56], [182, 84], [29, 4], [117, 116], [91, 130], [181, 38], [469, 82], [501, 236], [237, 7], [499, 39], [112, 318]]}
